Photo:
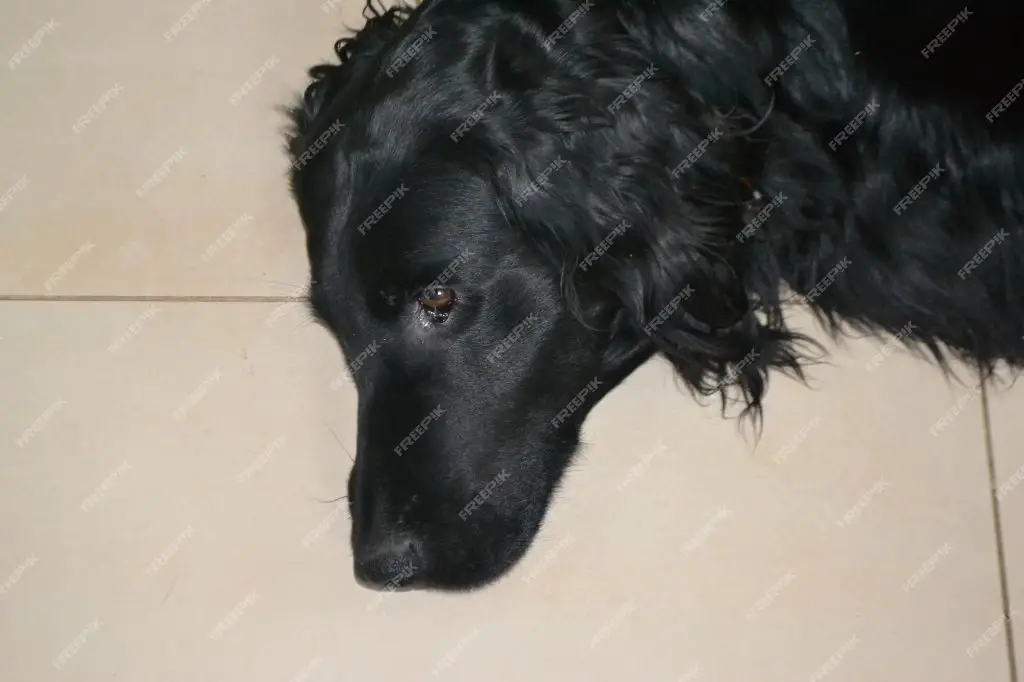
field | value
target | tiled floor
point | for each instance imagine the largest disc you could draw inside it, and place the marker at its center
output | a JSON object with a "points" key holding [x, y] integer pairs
{"points": [[169, 465]]}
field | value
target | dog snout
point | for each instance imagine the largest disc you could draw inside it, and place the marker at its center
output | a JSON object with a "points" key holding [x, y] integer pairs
{"points": [[390, 563]]}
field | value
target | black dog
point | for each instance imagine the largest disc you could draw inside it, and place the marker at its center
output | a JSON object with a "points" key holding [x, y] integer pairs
{"points": [[509, 206]]}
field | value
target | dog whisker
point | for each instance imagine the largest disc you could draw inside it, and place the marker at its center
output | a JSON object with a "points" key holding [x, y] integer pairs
{"points": [[340, 444]]}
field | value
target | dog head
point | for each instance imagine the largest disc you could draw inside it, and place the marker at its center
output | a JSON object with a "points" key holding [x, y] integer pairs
{"points": [[508, 209]]}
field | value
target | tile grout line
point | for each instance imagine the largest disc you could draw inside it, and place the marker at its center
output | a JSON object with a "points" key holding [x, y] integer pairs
{"points": [[997, 521], [88, 298]]}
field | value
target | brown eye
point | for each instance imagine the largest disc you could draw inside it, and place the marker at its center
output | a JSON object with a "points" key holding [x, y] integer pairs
{"points": [[437, 300]]}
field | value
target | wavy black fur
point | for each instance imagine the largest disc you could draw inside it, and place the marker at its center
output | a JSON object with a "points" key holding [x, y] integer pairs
{"points": [[681, 121]]}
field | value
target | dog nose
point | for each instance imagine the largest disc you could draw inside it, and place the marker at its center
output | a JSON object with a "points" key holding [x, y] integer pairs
{"points": [[396, 563]]}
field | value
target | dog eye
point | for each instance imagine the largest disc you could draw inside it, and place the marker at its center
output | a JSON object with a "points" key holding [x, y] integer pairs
{"points": [[437, 302]]}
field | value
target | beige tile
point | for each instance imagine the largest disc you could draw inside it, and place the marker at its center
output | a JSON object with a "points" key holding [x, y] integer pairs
{"points": [[166, 472], [1006, 405], [134, 164]]}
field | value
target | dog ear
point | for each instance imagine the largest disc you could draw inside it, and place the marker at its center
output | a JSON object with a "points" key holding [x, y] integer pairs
{"points": [[653, 285], [720, 339], [680, 285], [695, 311], [546, 85], [674, 279]]}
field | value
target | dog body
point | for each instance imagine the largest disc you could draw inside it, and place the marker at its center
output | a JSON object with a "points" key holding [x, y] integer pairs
{"points": [[510, 206]]}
